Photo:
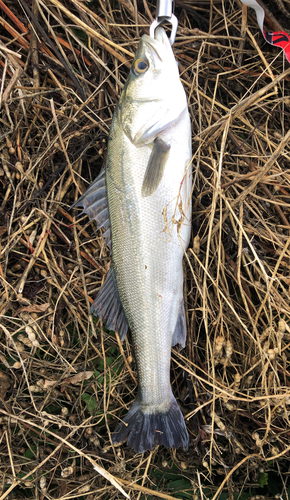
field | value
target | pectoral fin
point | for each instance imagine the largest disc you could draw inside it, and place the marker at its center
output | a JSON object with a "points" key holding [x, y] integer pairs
{"points": [[155, 167]]}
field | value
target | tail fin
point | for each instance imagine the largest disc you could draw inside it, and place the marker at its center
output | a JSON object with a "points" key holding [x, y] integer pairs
{"points": [[145, 430]]}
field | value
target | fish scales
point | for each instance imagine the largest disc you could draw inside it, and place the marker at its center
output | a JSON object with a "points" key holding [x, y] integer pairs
{"points": [[148, 180]]}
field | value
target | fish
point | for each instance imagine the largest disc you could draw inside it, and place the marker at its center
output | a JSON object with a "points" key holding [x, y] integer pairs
{"points": [[142, 199]]}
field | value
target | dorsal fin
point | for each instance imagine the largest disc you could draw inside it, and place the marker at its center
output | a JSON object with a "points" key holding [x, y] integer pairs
{"points": [[95, 204], [108, 307]]}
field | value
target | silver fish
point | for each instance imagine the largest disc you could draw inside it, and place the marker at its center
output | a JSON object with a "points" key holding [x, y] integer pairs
{"points": [[142, 199]]}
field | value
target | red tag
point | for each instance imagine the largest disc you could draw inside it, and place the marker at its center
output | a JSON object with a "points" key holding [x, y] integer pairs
{"points": [[280, 39]]}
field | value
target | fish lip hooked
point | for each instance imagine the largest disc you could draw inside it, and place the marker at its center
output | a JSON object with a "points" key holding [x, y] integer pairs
{"points": [[153, 45]]}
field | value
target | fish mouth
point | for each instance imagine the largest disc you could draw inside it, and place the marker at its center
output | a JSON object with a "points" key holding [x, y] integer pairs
{"points": [[154, 46], [160, 45]]}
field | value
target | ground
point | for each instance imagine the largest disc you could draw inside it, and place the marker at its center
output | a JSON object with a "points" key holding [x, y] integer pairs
{"points": [[65, 381]]}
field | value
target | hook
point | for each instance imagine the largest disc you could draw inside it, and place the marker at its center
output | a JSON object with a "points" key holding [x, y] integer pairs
{"points": [[164, 13]]}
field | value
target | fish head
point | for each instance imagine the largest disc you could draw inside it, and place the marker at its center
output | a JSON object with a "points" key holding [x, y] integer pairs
{"points": [[153, 97]]}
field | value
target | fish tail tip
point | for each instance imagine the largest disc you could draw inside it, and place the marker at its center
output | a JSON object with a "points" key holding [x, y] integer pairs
{"points": [[144, 430]]}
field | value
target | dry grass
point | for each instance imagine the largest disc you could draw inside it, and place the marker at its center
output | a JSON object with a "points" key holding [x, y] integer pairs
{"points": [[64, 381]]}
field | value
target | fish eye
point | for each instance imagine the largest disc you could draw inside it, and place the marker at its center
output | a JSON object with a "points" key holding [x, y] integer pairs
{"points": [[140, 66]]}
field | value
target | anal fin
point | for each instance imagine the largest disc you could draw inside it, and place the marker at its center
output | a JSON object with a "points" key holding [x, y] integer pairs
{"points": [[179, 335]]}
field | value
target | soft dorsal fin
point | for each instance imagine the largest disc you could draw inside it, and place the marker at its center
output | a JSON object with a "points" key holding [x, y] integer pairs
{"points": [[95, 204], [155, 167], [108, 307]]}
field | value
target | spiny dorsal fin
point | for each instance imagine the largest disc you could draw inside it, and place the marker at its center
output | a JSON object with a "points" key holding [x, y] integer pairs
{"points": [[155, 167], [95, 204]]}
